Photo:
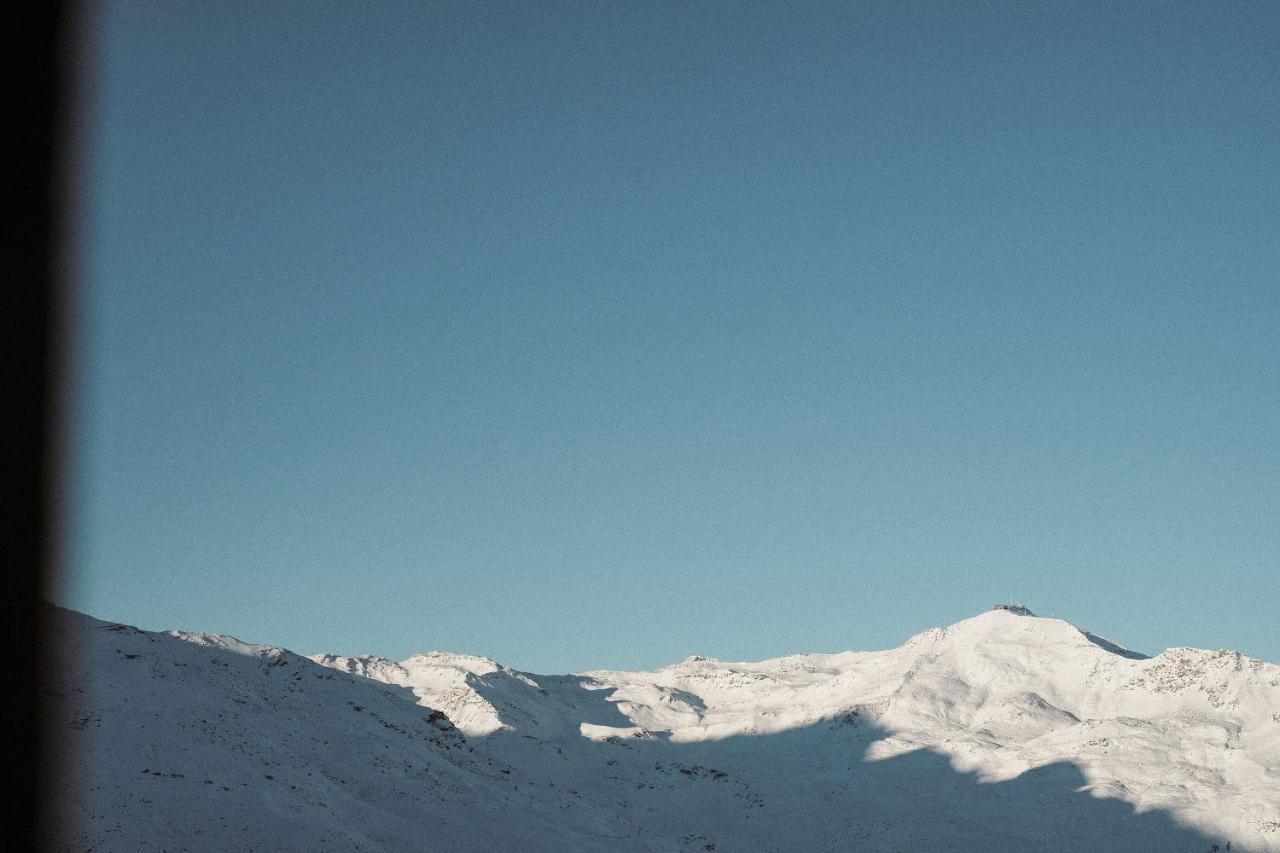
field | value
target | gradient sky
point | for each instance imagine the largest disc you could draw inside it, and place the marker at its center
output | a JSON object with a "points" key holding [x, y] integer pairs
{"points": [[601, 334]]}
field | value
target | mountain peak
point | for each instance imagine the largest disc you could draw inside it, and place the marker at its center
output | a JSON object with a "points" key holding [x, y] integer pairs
{"points": [[1015, 609], [1035, 705]]}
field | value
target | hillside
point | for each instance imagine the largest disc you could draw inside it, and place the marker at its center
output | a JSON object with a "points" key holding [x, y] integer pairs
{"points": [[1001, 732]]}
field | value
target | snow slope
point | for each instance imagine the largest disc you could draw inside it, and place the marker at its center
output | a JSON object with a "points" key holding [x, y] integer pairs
{"points": [[1001, 732]]}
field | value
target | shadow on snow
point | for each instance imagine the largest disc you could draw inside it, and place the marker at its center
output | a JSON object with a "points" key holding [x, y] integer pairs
{"points": [[816, 788]]}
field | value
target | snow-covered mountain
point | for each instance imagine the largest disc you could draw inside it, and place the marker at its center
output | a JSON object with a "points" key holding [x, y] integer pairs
{"points": [[1001, 732]]}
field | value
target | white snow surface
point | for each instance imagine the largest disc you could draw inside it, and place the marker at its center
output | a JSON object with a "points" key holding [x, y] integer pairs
{"points": [[1001, 732]]}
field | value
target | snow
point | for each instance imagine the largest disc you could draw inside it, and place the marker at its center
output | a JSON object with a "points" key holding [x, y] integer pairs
{"points": [[1000, 732]]}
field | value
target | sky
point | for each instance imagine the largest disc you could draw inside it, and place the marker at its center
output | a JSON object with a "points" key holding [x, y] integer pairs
{"points": [[586, 335]]}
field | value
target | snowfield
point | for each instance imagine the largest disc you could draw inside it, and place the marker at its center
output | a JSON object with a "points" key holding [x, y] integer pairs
{"points": [[1003, 732]]}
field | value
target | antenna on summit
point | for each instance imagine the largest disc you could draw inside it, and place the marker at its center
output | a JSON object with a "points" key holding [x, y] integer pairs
{"points": [[1014, 608]]}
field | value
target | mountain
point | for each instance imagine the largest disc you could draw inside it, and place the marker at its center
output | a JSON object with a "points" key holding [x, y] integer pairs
{"points": [[1005, 731]]}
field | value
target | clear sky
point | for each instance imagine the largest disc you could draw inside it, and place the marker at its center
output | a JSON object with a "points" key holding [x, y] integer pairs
{"points": [[602, 334]]}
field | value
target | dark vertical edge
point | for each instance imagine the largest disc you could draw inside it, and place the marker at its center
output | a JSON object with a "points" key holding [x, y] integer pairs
{"points": [[37, 93]]}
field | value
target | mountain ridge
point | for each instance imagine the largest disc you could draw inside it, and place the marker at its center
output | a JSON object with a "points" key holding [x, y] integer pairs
{"points": [[1029, 709]]}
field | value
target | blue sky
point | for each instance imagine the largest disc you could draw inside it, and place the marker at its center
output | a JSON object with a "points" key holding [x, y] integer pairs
{"points": [[585, 335]]}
